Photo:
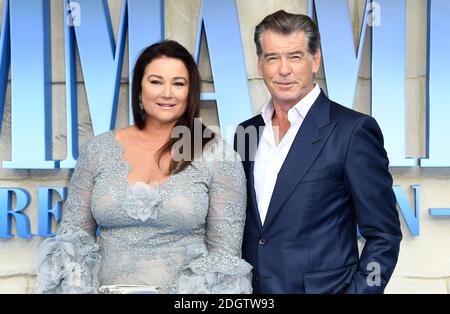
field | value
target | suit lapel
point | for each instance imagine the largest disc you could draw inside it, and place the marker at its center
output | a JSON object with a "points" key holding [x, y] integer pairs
{"points": [[307, 145], [252, 146], [254, 203]]}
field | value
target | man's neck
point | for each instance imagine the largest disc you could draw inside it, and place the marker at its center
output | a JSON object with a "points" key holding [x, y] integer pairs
{"points": [[280, 125]]}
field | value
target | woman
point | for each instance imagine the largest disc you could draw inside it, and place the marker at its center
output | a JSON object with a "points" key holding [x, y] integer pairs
{"points": [[164, 221]]}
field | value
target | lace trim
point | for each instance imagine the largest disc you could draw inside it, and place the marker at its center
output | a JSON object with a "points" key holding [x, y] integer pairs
{"points": [[68, 265]]}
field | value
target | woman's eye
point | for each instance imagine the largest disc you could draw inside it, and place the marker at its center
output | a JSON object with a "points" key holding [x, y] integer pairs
{"points": [[155, 82], [179, 84]]}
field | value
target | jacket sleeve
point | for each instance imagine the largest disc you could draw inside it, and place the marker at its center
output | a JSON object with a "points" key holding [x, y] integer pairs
{"points": [[367, 177]]}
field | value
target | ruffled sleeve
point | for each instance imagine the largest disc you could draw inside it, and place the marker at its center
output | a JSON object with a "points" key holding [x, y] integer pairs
{"points": [[70, 261], [218, 266]]}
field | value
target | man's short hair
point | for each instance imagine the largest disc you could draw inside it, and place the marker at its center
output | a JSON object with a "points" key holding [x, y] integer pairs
{"points": [[282, 22]]}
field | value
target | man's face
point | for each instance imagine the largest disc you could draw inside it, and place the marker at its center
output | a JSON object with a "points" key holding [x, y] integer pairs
{"points": [[287, 67]]}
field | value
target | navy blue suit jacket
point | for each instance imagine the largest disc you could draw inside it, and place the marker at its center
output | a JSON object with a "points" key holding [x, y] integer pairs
{"points": [[334, 177]]}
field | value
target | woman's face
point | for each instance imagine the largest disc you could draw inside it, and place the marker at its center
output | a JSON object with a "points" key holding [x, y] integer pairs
{"points": [[165, 90]]}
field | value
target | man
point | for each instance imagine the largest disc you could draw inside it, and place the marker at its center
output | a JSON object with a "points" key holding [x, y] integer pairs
{"points": [[315, 171]]}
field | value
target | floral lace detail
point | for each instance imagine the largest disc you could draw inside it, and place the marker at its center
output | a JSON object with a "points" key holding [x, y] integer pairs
{"points": [[215, 272], [141, 203], [65, 266]]}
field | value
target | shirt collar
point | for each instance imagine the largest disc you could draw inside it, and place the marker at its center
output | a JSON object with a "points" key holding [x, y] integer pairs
{"points": [[267, 112], [299, 110]]}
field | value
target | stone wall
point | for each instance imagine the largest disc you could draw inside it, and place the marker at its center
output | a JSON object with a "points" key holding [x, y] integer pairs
{"points": [[424, 263]]}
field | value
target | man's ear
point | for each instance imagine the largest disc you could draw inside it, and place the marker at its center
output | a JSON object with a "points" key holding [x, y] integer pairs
{"points": [[260, 66], [316, 60]]}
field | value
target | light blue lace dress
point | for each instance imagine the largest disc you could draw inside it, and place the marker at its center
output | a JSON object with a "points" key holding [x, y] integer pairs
{"points": [[183, 235]]}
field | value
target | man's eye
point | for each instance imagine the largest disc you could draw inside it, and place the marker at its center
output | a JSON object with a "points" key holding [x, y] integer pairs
{"points": [[296, 57], [271, 59]]}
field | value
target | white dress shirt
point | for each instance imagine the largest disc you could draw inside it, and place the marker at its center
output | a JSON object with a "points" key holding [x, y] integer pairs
{"points": [[269, 157]]}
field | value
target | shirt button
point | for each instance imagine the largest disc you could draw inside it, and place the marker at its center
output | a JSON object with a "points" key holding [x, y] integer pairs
{"points": [[257, 278], [262, 241]]}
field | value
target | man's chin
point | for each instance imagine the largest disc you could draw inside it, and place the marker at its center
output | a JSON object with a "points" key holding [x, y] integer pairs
{"points": [[287, 100]]}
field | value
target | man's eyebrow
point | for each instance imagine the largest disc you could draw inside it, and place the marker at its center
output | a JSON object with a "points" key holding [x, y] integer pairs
{"points": [[270, 54], [296, 52]]}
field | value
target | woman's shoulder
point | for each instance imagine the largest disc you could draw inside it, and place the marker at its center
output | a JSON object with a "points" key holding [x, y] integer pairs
{"points": [[98, 141], [102, 146], [223, 163], [218, 149]]}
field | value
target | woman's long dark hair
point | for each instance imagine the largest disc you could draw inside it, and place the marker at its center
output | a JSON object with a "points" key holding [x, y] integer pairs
{"points": [[171, 49]]}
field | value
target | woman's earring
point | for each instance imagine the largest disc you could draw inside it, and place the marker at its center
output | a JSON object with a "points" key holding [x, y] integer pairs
{"points": [[142, 111]]}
